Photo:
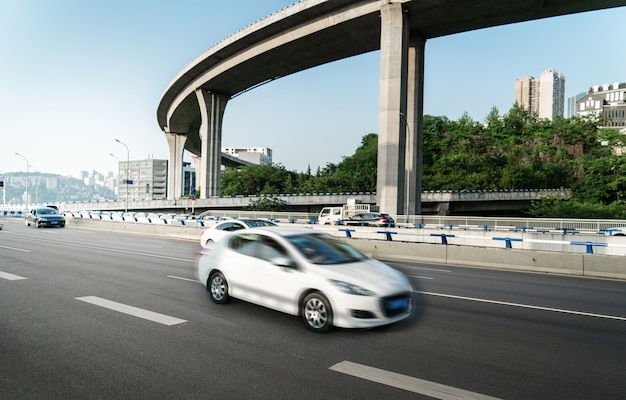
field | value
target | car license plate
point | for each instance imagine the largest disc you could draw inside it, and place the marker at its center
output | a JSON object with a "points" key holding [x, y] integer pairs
{"points": [[398, 304], [54, 222]]}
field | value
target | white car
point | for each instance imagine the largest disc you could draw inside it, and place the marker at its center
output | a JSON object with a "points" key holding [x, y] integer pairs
{"points": [[218, 231], [308, 273]]}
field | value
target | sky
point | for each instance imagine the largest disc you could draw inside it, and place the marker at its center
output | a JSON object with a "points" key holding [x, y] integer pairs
{"points": [[75, 75]]}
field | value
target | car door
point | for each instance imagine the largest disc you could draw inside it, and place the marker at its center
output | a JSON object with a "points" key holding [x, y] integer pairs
{"points": [[257, 277]]}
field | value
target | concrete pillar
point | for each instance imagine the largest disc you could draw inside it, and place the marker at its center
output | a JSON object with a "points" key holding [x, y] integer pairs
{"points": [[392, 126], [176, 144], [415, 123], [212, 106]]}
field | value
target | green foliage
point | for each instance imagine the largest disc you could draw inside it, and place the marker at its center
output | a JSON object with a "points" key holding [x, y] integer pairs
{"points": [[268, 204], [512, 151], [568, 208]]}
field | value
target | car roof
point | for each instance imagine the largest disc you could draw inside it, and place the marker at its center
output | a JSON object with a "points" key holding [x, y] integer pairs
{"points": [[282, 230]]}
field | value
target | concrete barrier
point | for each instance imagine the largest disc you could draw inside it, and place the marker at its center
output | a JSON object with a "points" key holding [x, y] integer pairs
{"points": [[376, 246]]}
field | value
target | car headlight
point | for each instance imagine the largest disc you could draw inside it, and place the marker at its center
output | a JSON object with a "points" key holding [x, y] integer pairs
{"points": [[351, 289]]}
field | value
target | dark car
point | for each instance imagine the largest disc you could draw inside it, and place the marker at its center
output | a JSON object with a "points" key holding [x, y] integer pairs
{"points": [[44, 216], [371, 219]]}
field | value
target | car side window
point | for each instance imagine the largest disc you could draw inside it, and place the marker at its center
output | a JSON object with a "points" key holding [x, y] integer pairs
{"points": [[258, 246], [244, 244], [270, 249], [225, 227], [236, 226]]}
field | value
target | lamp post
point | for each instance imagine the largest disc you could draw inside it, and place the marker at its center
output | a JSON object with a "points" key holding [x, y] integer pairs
{"points": [[27, 200], [127, 171]]}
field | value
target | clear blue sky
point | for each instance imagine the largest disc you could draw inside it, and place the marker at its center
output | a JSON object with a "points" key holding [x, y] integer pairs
{"points": [[75, 75]]}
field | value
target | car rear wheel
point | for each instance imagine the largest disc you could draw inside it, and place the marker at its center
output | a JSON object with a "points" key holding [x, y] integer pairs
{"points": [[317, 313], [26, 222], [218, 287]]}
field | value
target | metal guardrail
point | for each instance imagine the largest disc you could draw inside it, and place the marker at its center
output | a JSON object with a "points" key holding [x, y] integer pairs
{"points": [[450, 222]]}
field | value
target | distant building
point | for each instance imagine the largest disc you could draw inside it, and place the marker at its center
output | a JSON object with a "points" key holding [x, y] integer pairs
{"points": [[527, 93], [142, 179], [607, 101], [189, 178], [254, 155], [571, 104], [544, 96]]}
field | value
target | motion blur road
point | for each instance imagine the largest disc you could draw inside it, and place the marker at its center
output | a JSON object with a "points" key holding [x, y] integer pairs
{"points": [[92, 315]]}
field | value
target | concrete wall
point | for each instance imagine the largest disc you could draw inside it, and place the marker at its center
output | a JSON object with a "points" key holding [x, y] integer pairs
{"points": [[576, 264]]}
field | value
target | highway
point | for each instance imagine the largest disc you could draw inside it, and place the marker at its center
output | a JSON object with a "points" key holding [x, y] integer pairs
{"points": [[93, 315]]}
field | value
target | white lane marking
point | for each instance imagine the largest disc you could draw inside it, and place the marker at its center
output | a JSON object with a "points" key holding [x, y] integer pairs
{"points": [[408, 383], [421, 277], [130, 310], [10, 277], [505, 303], [182, 279], [15, 248]]}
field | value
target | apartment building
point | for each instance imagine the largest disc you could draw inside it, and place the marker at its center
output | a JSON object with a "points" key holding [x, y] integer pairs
{"points": [[607, 101], [544, 96]]}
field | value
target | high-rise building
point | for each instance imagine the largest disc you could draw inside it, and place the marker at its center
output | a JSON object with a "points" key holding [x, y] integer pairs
{"points": [[254, 155], [551, 94], [143, 179], [527, 93], [606, 101], [544, 96]]}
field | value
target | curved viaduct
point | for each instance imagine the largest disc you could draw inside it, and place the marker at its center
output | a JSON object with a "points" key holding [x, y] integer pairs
{"points": [[314, 32]]}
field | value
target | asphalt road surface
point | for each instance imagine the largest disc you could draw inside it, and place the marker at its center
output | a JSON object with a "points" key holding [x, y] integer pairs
{"points": [[92, 315]]}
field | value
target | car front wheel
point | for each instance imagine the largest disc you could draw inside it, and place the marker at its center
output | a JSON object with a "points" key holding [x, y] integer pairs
{"points": [[218, 287], [317, 313]]}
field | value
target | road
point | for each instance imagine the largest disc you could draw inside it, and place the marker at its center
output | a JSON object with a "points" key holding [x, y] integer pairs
{"points": [[92, 315]]}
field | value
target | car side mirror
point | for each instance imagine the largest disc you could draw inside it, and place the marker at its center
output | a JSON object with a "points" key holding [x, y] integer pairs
{"points": [[282, 262]]}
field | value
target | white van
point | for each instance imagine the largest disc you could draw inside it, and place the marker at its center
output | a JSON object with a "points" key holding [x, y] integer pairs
{"points": [[329, 215]]}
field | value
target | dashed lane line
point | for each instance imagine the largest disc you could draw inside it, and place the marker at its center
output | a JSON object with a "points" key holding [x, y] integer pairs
{"points": [[529, 306], [130, 310], [408, 383], [10, 277]]}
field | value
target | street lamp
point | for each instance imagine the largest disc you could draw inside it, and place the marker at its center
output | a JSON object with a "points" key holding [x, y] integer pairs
{"points": [[127, 171], [27, 200]]}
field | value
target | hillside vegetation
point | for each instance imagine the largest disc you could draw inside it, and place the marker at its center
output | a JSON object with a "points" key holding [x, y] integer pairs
{"points": [[513, 151]]}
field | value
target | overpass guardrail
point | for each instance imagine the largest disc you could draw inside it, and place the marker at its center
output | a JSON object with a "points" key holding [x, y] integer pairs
{"points": [[591, 248]]}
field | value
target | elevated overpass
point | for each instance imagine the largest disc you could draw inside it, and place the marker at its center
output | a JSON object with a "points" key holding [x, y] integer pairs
{"points": [[466, 203], [314, 32]]}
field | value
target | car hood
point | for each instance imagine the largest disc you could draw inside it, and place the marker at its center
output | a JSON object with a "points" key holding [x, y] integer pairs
{"points": [[370, 274]]}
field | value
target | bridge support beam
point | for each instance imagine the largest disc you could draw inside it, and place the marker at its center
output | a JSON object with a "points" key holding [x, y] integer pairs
{"points": [[176, 144], [400, 114], [212, 106], [415, 124]]}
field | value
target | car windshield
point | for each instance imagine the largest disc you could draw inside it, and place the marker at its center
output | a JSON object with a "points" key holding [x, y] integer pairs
{"points": [[253, 223], [324, 249], [46, 211]]}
